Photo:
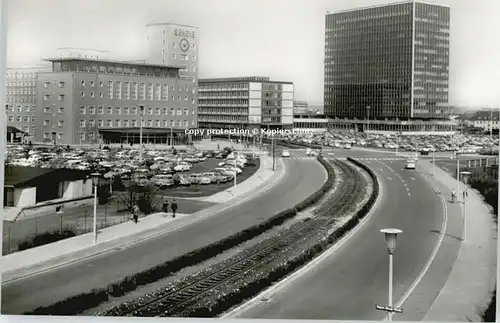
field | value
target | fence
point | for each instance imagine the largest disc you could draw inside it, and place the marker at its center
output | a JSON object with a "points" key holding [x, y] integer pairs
{"points": [[75, 221]]}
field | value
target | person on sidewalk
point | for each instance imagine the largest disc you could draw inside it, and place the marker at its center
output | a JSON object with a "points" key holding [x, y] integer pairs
{"points": [[165, 207], [174, 208], [453, 195], [135, 213]]}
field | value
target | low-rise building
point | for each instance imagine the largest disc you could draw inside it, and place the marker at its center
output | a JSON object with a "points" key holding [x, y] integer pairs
{"points": [[29, 186], [310, 123], [245, 103], [485, 119]]}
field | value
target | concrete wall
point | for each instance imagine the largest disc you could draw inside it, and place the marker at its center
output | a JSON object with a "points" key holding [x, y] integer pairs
{"points": [[43, 209], [24, 196], [77, 189]]}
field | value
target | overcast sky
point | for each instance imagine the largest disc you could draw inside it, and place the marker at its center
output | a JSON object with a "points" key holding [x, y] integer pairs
{"points": [[282, 39]]}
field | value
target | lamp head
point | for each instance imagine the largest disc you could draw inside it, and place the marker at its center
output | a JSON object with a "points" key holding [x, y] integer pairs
{"points": [[391, 237], [95, 178]]}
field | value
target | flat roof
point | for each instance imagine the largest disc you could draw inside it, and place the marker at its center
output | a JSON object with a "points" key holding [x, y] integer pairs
{"points": [[19, 176], [385, 5], [241, 79], [65, 59], [159, 23], [145, 130]]}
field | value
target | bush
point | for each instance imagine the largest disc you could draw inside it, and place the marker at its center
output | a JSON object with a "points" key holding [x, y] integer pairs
{"points": [[46, 238], [190, 259]]}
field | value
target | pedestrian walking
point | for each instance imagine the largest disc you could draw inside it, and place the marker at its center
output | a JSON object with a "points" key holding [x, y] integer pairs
{"points": [[174, 208], [135, 213], [165, 207]]}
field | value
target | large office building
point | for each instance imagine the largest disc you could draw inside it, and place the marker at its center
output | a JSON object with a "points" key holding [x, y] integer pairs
{"points": [[388, 63], [88, 101], [20, 93], [245, 103]]}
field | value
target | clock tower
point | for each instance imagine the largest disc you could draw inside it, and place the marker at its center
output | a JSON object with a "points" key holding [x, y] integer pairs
{"points": [[176, 45]]}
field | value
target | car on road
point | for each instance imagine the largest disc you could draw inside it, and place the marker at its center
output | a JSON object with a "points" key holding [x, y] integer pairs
{"points": [[411, 164], [308, 152], [347, 146], [285, 153]]}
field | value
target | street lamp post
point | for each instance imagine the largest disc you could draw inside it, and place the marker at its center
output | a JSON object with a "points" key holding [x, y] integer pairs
{"points": [[95, 182], [141, 110], [465, 177], [368, 118], [458, 176], [390, 237], [433, 163], [235, 173]]}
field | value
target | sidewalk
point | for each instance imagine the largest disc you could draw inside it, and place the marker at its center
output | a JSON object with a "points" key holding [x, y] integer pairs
{"points": [[468, 289], [28, 262]]}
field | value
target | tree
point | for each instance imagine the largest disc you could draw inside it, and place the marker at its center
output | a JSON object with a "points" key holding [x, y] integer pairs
{"points": [[148, 198]]}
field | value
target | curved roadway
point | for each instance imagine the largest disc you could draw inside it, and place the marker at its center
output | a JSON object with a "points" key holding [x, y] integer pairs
{"points": [[348, 284], [303, 178]]}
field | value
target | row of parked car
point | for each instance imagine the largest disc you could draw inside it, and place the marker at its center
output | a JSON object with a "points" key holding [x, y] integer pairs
{"points": [[166, 173]]}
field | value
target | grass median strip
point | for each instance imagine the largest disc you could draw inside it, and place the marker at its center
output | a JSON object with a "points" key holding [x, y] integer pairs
{"points": [[85, 301]]}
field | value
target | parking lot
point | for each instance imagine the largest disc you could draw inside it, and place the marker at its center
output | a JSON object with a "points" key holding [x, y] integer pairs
{"points": [[346, 139]]}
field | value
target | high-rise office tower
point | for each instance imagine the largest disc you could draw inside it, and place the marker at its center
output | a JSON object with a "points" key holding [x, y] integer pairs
{"points": [[389, 61]]}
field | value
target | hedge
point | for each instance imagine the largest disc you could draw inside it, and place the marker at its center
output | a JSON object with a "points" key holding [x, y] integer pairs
{"points": [[79, 303], [250, 289], [46, 238]]}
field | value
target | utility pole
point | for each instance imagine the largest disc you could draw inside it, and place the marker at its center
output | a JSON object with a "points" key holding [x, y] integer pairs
{"points": [[273, 141], [491, 123]]}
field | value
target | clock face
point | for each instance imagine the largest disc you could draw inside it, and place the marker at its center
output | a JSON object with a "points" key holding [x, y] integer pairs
{"points": [[184, 44]]}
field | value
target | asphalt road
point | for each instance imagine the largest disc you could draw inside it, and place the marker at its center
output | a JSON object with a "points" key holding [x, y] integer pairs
{"points": [[303, 178], [348, 284]]}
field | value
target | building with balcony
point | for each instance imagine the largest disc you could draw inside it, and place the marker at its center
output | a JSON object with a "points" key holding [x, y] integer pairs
{"points": [[245, 103], [388, 63], [20, 93], [82, 98]]}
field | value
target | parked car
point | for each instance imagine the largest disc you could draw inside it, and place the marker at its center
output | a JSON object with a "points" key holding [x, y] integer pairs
{"points": [[184, 180], [194, 178], [233, 169], [183, 167], [163, 180], [211, 175]]}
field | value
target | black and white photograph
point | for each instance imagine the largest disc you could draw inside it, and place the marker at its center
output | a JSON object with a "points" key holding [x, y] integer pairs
{"points": [[250, 159]]}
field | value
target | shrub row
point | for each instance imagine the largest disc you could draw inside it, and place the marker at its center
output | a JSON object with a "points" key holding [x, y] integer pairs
{"points": [[46, 238], [79, 303], [254, 282]]}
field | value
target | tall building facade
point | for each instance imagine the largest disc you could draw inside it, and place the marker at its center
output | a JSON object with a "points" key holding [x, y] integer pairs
{"points": [[81, 97], [175, 45], [245, 102], [389, 61], [20, 94]]}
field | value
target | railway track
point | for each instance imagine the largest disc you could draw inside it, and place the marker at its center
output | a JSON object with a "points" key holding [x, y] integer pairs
{"points": [[170, 302]]}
